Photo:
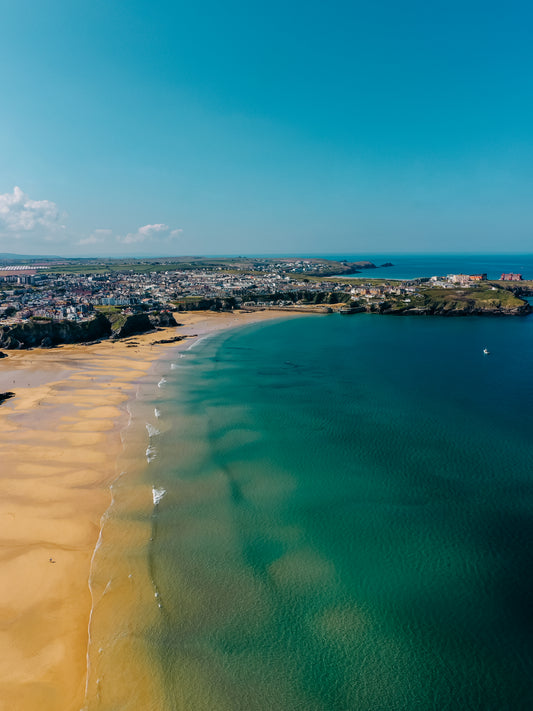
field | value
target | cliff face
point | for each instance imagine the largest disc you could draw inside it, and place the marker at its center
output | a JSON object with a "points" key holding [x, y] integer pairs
{"points": [[519, 288], [163, 319], [51, 333], [458, 308], [143, 322], [479, 309], [46, 334], [483, 300], [134, 324]]}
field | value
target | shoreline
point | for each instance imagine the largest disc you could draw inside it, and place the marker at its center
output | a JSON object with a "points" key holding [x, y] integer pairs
{"points": [[61, 445]]}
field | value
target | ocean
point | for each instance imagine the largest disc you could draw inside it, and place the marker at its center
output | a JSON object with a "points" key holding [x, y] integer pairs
{"points": [[325, 513], [411, 266]]}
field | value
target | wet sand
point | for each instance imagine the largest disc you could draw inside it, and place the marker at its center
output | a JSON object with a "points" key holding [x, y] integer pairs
{"points": [[58, 452]]}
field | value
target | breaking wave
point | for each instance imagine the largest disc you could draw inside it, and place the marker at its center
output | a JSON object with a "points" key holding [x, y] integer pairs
{"points": [[151, 453], [157, 494], [152, 431]]}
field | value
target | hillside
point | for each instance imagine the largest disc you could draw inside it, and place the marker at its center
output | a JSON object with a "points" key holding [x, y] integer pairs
{"points": [[480, 300]]}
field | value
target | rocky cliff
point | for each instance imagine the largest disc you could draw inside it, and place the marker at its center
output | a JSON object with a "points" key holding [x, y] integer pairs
{"points": [[133, 325], [458, 302], [163, 319], [143, 322], [45, 333], [459, 309]]}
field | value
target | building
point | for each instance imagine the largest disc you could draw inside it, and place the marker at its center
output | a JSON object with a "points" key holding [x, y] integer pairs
{"points": [[465, 279], [511, 277], [458, 278]]}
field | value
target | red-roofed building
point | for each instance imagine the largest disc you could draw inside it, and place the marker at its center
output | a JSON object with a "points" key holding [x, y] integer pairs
{"points": [[511, 277]]}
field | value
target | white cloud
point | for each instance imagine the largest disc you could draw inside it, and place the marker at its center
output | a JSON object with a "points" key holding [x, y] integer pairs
{"points": [[149, 232], [97, 237], [19, 214], [42, 220]]}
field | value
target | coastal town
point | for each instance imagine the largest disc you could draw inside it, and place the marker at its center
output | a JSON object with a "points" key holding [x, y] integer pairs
{"points": [[51, 291], [77, 290]]}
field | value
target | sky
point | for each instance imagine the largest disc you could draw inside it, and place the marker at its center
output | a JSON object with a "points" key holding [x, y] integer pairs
{"points": [[170, 128]]}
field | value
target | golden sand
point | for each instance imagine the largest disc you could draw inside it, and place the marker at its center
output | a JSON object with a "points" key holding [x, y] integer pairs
{"points": [[58, 451]]}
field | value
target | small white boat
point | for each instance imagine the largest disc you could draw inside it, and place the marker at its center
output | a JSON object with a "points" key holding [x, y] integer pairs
{"points": [[486, 351]]}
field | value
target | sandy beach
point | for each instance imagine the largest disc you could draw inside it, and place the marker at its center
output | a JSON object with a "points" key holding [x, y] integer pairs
{"points": [[60, 443]]}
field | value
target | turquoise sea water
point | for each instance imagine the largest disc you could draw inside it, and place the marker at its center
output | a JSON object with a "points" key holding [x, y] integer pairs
{"points": [[348, 517], [411, 266]]}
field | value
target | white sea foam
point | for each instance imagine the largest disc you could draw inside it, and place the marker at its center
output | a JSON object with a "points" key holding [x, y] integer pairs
{"points": [[103, 520], [195, 343], [157, 412], [157, 494], [151, 454], [173, 366], [152, 431], [161, 382]]}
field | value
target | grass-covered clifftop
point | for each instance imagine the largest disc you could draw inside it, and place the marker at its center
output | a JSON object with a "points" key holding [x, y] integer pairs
{"points": [[48, 333], [110, 321], [479, 300]]}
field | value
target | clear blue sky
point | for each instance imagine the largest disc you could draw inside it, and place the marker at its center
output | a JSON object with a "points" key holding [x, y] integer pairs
{"points": [[239, 127]]}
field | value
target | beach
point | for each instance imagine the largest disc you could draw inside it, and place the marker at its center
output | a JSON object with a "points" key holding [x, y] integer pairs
{"points": [[61, 439]]}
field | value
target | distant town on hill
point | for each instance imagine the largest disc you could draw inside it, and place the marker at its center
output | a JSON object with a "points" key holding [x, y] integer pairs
{"points": [[44, 290]]}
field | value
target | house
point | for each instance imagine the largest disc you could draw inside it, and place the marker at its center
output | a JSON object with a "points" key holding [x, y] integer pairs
{"points": [[511, 277]]}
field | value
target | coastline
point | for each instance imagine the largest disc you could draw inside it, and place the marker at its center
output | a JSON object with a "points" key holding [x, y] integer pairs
{"points": [[62, 440]]}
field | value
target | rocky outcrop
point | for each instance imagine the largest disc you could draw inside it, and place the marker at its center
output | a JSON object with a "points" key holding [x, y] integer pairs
{"points": [[3, 355], [11, 344], [519, 289], [35, 333], [175, 339], [163, 319], [6, 396], [133, 325], [348, 310], [459, 308], [477, 309], [142, 322]]}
